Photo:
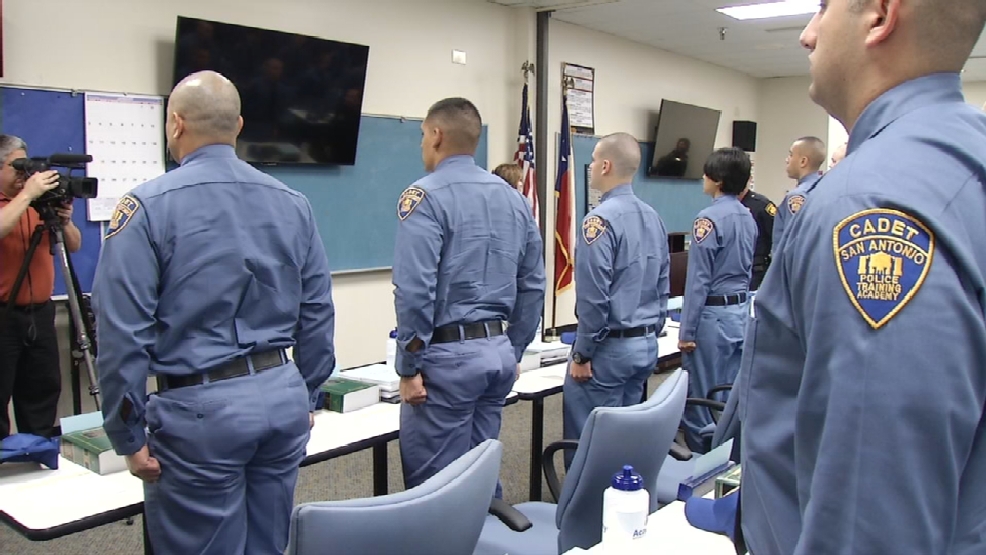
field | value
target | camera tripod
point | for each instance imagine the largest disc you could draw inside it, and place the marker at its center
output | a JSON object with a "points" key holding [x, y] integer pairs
{"points": [[81, 323]]}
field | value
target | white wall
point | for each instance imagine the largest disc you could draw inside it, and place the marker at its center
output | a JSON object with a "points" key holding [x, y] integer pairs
{"points": [[786, 113], [631, 80], [975, 92]]}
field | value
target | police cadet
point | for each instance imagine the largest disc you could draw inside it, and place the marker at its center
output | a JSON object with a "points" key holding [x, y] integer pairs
{"points": [[469, 293], [804, 162], [863, 388], [838, 155], [764, 211], [621, 289], [206, 275], [714, 313]]}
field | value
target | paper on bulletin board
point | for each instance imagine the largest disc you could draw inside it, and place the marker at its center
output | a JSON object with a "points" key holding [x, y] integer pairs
{"points": [[125, 137], [580, 96]]}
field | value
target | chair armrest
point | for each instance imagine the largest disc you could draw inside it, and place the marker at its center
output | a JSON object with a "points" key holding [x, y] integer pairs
{"points": [[509, 516], [548, 463], [679, 452], [715, 407], [718, 389]]}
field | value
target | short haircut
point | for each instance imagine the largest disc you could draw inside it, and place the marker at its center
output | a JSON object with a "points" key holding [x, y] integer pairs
{"points": [[814, 149], [460, 122], [10, 143], [731, 167], [511, 173], [209, 102], [623, 151]]}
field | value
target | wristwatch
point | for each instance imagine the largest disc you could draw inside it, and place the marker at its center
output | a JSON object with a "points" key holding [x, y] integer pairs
{"points": [[579, 358]]}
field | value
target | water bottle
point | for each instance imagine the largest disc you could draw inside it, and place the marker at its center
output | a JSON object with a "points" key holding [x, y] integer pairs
{"points": [[392, 349], [626, 507]]}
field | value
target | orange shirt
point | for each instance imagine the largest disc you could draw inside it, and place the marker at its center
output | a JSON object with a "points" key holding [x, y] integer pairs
{"points": [[39, 284]]}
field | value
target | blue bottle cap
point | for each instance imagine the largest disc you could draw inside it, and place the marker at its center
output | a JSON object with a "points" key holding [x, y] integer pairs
{"points": [[393, 334], [628, 480]]}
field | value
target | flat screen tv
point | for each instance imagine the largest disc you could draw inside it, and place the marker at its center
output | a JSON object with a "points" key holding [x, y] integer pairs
{"points": [[301, 96], [685, 137]]}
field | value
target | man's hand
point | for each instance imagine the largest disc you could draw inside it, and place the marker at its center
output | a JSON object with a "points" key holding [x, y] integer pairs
{"points": [[686, 346], [65, 214], [413, 390], [311, 420], [40, 183], [518, 371], [581, 372], [142, 465]]}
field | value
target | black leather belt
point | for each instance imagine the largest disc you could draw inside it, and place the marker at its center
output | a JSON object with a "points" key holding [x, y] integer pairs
{"points": [[233, 369], [477, 330], [725, 300], [632, 332]]}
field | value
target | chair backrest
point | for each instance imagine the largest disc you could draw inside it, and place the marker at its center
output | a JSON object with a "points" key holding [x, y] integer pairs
{"points": [[638, 435], [444, 515]]}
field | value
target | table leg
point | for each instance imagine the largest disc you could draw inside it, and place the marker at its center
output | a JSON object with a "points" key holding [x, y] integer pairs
{"points": [[537, 446], [148, 549], [380, 471]]}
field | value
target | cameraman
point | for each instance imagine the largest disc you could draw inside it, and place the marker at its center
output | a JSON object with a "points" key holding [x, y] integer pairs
{"points": [[29, 363]]}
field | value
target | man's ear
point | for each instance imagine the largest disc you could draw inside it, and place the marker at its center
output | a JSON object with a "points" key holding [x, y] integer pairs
{"points": [[881, 20], [437, 137]]}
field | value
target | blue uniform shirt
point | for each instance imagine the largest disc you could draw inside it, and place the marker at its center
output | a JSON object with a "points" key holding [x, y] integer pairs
{"points": [[621, 269], [211, 261], [863, 380], [468, 250], [720, 258], [793, 201]]}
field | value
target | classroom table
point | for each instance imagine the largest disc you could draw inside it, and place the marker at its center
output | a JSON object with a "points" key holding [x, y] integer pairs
{"points": [[669, 533], [536, 385]]}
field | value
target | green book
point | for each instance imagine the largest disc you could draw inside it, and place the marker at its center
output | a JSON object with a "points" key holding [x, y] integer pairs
{"points": [[92, 449], [342, 395]]}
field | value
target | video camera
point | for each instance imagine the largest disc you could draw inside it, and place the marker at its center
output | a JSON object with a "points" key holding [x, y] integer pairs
{"points": [[69, 187]]}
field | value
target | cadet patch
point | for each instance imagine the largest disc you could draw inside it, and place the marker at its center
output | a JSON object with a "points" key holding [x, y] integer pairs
{"points": [[410, 199], [795, 203], [771, 209], [125, 210], [702, 228], [592, 228], [883, 257]]}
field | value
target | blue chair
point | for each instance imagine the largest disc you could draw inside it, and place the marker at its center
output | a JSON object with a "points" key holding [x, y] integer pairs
{"points": [[442, 516], [638, 435]]}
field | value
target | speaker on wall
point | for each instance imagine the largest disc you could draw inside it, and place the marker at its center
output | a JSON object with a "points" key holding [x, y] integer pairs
{"points": [[745, 135]]}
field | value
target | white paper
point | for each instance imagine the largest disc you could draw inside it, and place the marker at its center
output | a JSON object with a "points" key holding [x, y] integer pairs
{"points": [[125, 137], [580, 108]]}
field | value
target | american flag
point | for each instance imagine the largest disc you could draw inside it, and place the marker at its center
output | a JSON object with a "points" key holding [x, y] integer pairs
{"points": [[565, 206], [525, 157]]}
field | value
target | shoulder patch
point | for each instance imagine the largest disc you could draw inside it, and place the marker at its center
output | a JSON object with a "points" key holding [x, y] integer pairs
{"points": [[702, 228], [794, 203], [410, 199], [883, 256], [124, 212], [771, 209], [593, 228]]}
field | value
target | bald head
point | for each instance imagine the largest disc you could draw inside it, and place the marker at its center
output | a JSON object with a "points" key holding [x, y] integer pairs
{"points": [[811, 148], [208, 104], [622, 151], [838, 154]]}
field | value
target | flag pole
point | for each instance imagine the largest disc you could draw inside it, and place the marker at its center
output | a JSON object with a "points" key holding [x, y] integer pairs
{"points": [[567, 83]]}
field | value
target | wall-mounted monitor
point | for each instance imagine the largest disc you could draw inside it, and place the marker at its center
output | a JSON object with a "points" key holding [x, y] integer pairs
{"points": [[301, 96], [685, 137]]}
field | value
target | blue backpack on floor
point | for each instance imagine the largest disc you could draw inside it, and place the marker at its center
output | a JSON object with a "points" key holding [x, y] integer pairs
{"points": [[30, 448]]}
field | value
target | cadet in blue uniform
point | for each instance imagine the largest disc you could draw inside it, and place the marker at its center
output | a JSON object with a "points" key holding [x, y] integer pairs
{"points": [[469, 293], [621, 290], [804, 162], [206, 275], [863, 385], [720, 260]]}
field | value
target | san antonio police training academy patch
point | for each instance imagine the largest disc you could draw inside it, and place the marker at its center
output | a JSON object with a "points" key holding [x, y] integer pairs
{"points": [[592, 228], [410, 199], [125, 210], [883, 257], [771, 209], [795, 203], [702, 228]]}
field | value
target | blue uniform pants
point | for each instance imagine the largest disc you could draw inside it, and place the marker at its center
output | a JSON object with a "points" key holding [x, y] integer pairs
{"points": [[715, 361], [620, 368], [467, 383], [229, 454]]}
